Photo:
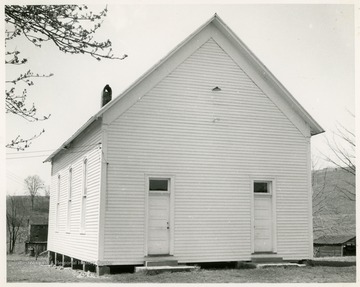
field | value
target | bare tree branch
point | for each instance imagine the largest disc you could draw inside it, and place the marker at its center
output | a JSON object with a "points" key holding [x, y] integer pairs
{"points": [[342, 149], [70, 27], [33, 184], [21, 144]]}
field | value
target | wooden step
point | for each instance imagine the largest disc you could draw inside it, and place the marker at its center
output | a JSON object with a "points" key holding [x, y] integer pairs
{"points": [[160, 261], [266, 258], [160, 269], [282, 264]]}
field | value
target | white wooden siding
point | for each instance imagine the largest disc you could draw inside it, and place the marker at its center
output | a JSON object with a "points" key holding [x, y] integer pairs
{"points": [[214, 143], [74, 244]]}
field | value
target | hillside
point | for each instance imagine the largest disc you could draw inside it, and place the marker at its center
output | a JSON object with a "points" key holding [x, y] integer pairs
{"points": [[333, 202], [40, 211]]}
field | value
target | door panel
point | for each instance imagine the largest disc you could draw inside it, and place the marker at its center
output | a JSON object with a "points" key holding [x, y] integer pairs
{"points": [[158, 225], [262, 224]]}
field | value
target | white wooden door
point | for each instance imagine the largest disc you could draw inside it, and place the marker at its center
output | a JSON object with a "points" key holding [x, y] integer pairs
{"points": [[263, 223], [158, 224]]}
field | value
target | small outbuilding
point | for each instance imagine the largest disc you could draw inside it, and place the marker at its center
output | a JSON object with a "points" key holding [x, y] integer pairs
{"points": [[205, 158], [37, 236], [335, 245]]}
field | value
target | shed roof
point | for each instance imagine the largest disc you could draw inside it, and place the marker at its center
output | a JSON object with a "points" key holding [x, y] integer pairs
{"points": [[315, 128], [333, 239], [38, 220]]}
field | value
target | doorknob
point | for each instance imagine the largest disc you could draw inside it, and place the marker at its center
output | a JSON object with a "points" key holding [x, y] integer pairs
{"points": [[167, 225]]}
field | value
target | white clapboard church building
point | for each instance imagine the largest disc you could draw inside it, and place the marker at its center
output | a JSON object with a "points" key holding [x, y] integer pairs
{"points": [[205, 158]]}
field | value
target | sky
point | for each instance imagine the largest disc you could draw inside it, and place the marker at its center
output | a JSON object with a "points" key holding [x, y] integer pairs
{"points": [[308, 47]]}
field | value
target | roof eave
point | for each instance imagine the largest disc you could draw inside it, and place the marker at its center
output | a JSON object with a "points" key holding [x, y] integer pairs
{"points": [[78, 132], [324, 240]]}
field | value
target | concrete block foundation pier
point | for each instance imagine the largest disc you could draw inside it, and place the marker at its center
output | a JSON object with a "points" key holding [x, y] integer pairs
{"points": [[58, 259]]}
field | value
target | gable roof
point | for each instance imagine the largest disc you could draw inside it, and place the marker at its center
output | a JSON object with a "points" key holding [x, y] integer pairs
{"points": [[333, 239], [315, 128]]}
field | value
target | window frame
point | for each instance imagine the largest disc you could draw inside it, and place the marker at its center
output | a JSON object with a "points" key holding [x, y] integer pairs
{"points": [[171, 192], [158, 179], [58, 194], [269, 187], [85, 176], [70, 183], [85, 166], [69, 199], [272, 194]]}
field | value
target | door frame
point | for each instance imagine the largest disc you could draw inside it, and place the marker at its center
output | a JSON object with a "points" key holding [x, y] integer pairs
{"points": [[171, 179], [272, 195]]}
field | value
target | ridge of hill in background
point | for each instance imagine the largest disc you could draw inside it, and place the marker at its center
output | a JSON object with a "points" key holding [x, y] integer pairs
{"points": [[40, 212], [334, 213]]}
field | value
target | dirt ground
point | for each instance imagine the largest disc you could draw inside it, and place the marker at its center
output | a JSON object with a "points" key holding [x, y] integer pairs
{"points": [[27, 269]]}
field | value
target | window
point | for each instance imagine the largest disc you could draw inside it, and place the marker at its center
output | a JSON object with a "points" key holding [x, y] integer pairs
{"points": [[70, 183], [58, 188], [262, 187], [69, 200], [85, 177], [58, 203], [83, 197], [158, 185]]}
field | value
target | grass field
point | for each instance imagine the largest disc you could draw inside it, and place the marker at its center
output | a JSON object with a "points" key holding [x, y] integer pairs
{"points": [[27, 269]]}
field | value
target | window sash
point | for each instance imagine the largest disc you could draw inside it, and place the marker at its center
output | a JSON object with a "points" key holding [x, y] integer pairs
{"points": [[159, 184], [70, 184], [58, 189], [84, 196], [68, 223], [83, 215], [262, 187], [85, 177]]}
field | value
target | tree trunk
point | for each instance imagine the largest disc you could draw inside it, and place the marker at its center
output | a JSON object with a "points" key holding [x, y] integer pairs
{"points": [[10, 252], [12, 241]]}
